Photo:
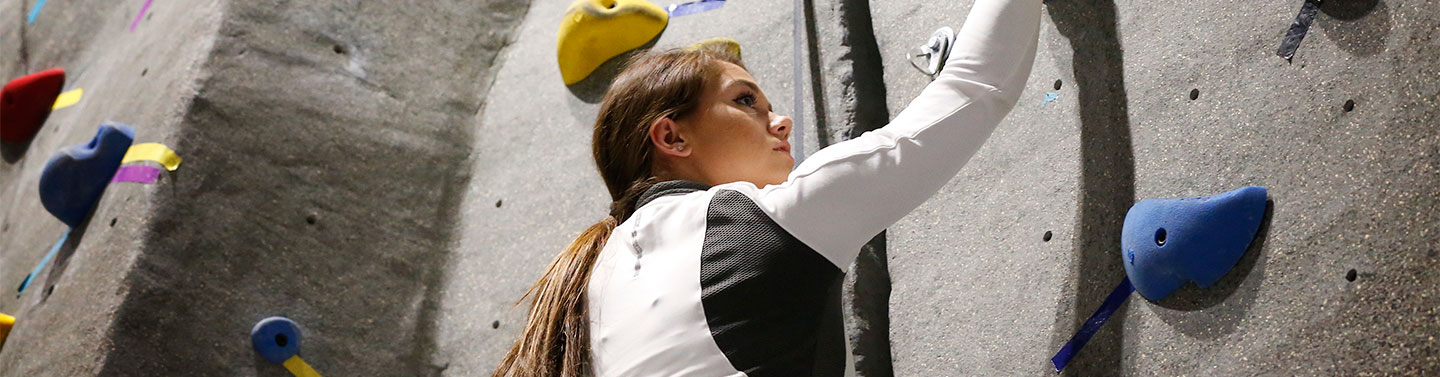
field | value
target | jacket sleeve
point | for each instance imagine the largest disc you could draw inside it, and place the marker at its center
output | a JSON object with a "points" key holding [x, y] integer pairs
{"points": [[847, 193]]}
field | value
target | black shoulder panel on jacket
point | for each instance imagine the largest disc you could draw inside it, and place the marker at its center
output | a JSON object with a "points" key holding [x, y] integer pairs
{"points": [[764, 291]]}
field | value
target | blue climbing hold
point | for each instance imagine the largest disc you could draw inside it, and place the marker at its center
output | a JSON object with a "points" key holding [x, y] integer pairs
{"points": [[1167, 242], [276, 339], [77, 175]]}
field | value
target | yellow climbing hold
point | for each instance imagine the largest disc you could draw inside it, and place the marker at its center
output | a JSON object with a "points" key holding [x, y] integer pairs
{"points": [[6, 322], [719, 43], [594, 31]]}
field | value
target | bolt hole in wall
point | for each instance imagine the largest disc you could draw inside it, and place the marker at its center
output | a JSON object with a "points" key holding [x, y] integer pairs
{"points": [[1057, 84], [498, 202], [144, 71], [1350, 276], [339, 49], [1194, 94], [1047, 236], [1349, 105], [1160, 237], [281, 340], [311, 219], [112, 222], [495, 325]]}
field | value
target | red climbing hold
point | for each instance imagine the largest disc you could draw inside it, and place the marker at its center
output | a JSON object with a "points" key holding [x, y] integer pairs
{"points": [[26, 102]]}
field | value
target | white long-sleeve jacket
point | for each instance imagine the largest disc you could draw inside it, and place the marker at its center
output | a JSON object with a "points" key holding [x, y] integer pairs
{"points": [[730, 280]]}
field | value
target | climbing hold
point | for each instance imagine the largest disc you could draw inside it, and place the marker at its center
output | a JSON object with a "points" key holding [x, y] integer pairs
{"points": [[594, 31], [1167, 242], [26, 102], [6, 322], [276, 339], [77, 175], [930, 57], [719, 43]]}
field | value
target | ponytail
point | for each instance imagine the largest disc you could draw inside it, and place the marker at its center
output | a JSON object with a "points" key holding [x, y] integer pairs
{"points": [[556, 337]]}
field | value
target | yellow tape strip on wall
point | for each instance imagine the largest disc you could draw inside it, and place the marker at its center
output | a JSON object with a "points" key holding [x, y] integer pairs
{"points": [[299, 368], [68, 98], [153, 152]]}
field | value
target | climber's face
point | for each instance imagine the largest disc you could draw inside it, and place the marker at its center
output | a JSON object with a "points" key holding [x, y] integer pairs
{"points": [[732, 136]]}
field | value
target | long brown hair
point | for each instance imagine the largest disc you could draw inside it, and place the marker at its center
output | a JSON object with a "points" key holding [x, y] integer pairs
{"points": [[556, 338]]}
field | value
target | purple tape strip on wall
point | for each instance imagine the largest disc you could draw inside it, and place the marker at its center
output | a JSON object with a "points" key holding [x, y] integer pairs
{"points": [[140, 16], [137, 174]]}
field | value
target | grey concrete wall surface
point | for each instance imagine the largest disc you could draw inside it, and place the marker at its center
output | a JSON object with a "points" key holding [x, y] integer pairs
{"points": [[977, 291], [394, 175], [326, 147]]}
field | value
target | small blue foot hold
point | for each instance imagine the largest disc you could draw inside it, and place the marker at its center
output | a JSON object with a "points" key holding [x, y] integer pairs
{"points": [[276, 339], [1167, 242], [77, 175]]}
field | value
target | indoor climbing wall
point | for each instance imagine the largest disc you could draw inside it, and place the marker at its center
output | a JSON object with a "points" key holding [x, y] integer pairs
{"points": [[325, 144], [380, 181]]}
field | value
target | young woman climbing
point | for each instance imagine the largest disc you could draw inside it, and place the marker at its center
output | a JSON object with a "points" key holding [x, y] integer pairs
{"points": [[716, 258]]}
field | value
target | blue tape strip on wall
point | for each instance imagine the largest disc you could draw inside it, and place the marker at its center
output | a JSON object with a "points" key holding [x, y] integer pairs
{"points": [[1092, 325], [41, 266], [35, 11], [694, 7], [1298, 29]]}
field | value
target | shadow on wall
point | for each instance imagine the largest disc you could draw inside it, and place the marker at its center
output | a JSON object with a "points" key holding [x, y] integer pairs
{"points": [[863, 102], [1107, 178], [1360, 27], [1209, 313]]}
